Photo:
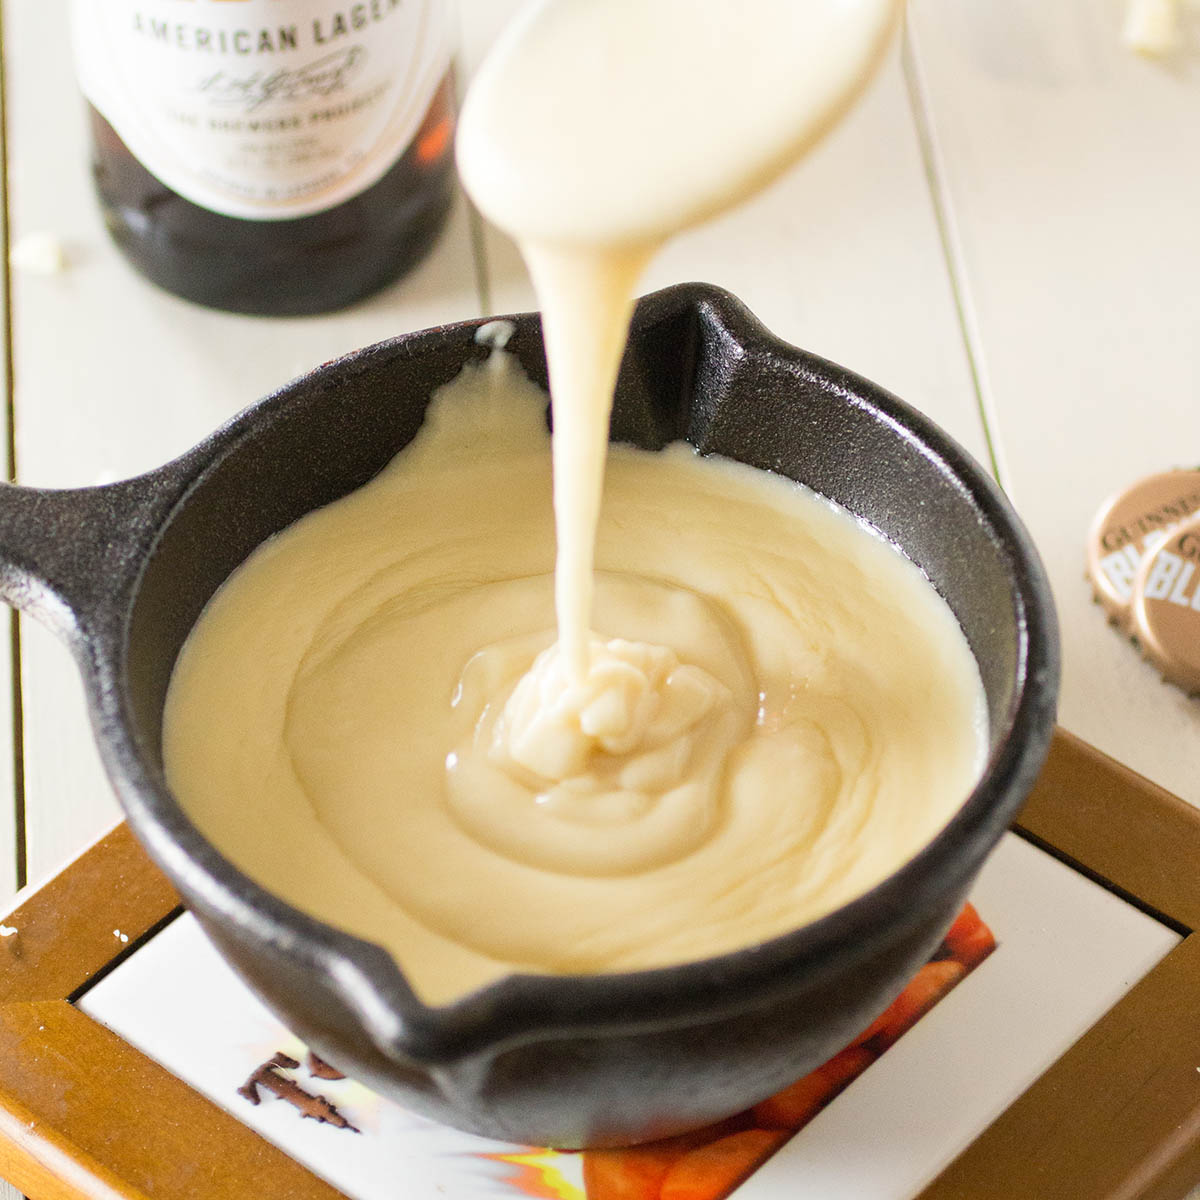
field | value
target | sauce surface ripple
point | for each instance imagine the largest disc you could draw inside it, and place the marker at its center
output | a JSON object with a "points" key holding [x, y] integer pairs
{"points": [[834, 729]]}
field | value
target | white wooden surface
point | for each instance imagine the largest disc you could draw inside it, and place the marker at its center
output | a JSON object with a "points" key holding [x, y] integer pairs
{"points": [[1071, 171], [1060, 172], [8, 794]]}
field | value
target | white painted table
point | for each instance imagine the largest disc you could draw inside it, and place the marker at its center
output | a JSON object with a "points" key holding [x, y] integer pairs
{"points": [[1005, 233]]}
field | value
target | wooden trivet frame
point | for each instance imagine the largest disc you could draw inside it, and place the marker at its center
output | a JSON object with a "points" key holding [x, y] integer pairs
{"points": [[85, 1116]]}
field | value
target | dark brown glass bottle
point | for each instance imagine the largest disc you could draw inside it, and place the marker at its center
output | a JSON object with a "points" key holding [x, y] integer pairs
{"points": [[241, 152], [282, 268]]}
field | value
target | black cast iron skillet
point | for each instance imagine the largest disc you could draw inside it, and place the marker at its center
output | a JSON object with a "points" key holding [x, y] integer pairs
{"points": [[122, 572]]}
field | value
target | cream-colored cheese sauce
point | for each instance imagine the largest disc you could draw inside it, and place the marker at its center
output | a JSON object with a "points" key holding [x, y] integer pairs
{"points": [[592, 133], [491, 738], [333, 724]]}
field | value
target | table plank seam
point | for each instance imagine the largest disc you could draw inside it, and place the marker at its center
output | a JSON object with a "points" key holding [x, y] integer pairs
{"points": [[950, 241], [17, 866], [7, 1191]]}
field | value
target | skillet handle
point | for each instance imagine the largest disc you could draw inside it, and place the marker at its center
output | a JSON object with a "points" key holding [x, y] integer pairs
{"points": [[68, 556]]}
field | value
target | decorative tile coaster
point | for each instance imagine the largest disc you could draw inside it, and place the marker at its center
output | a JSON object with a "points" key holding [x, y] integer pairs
{"points": [[972, 1030]]}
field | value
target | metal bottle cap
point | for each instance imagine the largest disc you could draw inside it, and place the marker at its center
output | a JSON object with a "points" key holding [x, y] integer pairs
{"points": [[1128, 526], [1166, 606]]}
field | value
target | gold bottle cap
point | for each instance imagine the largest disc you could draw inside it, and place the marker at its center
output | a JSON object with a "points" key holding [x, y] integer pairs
{"points": [[1166, 606], [1128, 526]]}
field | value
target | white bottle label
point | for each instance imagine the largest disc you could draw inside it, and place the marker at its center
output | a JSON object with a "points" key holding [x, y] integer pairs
{"points": [[264, 109]]}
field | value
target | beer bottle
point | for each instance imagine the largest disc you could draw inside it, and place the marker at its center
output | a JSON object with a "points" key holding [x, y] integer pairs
{"points": [[270, 156]]}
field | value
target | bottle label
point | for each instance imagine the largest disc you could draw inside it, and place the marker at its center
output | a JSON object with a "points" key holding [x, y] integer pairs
{"points": [[263, 109]]}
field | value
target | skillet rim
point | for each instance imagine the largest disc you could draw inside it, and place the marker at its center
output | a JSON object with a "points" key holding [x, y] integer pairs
{"points": [[520, 1008]]}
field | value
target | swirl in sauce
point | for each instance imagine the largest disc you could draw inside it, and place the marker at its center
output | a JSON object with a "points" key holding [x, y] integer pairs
{"points": [[822, 715]]}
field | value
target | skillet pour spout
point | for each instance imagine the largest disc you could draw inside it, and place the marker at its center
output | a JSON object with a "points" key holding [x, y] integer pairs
{"points": [[122, 573]]}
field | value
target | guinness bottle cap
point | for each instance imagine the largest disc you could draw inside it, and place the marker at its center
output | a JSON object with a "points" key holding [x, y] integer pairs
{"points": [[1131, 524], [1166, 606]]}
